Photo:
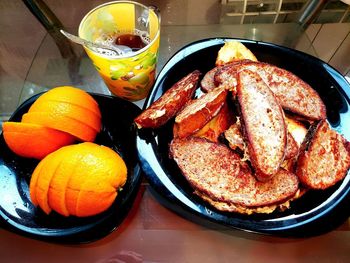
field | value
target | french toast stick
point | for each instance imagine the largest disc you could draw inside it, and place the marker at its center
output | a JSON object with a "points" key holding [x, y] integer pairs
{"points": [[233, 51], [217, 172], [207, 82], [324, 159], [263, 124], [226, 75], [170, 103], [217, 125], [266, 209], [293, 94], [234, 137], [198, 112]]}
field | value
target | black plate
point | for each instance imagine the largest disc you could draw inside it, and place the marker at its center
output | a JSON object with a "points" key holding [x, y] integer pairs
{"points": [[314, 213], [20, 216]]}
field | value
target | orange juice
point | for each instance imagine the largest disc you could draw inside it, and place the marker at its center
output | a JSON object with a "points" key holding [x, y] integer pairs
{"points": [[130, 75]]}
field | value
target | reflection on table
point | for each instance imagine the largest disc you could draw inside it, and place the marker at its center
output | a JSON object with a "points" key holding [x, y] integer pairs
{"points": [[49, 69]]}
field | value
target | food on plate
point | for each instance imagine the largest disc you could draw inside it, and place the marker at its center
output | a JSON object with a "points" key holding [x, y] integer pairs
{"points": [[80, 180], [33, 140], [199, 112], [297, 129], [292, 147], [325, 159], [207, 82], [233, 136], [235, 140], [263, 146], [67, 109], [263, 124], [218, 173], [57, 118], [168, 105], [217, 125], [293, 94], [233, 50], [62, 123]]}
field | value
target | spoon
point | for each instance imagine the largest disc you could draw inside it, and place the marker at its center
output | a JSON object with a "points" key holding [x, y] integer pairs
{"points": [[97, 47]]}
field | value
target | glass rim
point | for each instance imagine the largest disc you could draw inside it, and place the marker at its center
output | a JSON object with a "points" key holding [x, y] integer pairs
{"points": [[133, 54]]}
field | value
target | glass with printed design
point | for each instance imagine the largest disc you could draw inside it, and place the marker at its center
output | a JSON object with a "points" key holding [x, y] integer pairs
{"points": [[130, 75]]}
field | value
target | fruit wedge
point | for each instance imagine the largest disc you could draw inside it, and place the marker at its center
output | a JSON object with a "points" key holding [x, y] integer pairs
{"points": [[70, 110], [74, 127], [80, 180], [71, 95], [45, 175], [34, 140]]}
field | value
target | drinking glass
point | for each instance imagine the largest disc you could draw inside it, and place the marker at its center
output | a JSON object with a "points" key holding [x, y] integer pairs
{"points": [[130, 75]]}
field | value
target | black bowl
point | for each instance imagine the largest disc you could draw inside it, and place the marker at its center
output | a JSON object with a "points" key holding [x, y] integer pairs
{"points": [[20, 216], [316, 212]]}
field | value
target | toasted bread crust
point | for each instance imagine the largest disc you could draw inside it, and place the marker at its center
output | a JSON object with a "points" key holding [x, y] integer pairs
{"points": [[216, 171], [207, 82], [171, 102], [226, 75], [199, 112], [292, 93], [235, 139], [292, 147], [233, 51], [325, 159], [263, 124], [296, 129], [217, 125]]}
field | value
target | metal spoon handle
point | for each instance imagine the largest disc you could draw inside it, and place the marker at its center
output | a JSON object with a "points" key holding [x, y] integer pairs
{"points": [[100, 48]]}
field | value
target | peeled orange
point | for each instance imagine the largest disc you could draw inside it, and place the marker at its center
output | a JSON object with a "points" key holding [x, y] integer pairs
{"points": [[57, 118], [34, 140], [80, 180], [76, 112], [67, 109], [71, 95], [60, 122]]}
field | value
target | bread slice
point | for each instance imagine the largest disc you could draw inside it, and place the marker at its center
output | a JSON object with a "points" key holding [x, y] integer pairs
{"points": [[234, 137], [297, 130], [293, 94], [233, 51], [218, 173], [325, 158], [217, 125], [235, 140], [199, 112], [207, 82], [267, 209], [292, 147], [170, 103], [263, 124], [226, 75]]}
